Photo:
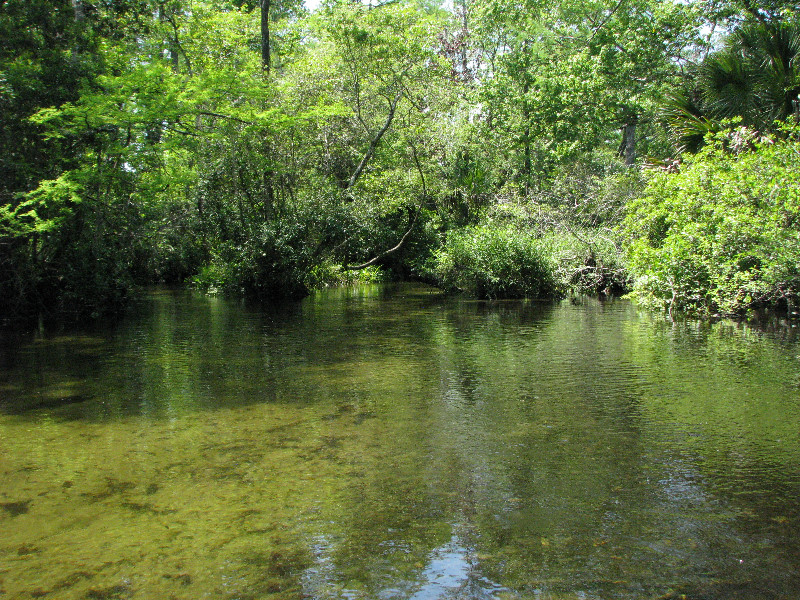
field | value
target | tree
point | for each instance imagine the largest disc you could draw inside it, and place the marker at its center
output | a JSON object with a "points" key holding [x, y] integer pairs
{"points": [[265, 58], [754, 78], [270, 11], [571, 74], [48, 52], [722, 235], [377, 70]]}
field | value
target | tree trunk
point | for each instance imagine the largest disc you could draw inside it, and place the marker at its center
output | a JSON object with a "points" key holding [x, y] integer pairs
{"points": [[269, 194], [373, 144], [464, 42], [627, 149], [413, 220], [80, 13], [527, 166], [265, 58]]}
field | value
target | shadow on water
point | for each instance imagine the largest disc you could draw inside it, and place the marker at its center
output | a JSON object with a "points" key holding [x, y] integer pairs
{"points": [[183, 351]]}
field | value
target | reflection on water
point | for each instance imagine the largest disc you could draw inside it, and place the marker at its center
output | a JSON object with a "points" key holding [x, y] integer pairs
{"points": [[388, 443], [452, 572]]}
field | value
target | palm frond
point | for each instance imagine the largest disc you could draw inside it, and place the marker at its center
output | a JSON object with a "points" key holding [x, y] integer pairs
{"points": [[687, 124], [728, 86], [772, 53]]}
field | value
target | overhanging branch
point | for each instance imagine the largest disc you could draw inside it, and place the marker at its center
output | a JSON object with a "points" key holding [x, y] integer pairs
{"points": [[403, 239]]}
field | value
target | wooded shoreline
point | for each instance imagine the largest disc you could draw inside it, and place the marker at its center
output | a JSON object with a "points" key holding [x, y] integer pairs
{"points": [[491, 148]]}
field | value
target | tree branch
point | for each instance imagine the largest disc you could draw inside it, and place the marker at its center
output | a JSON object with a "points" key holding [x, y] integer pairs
{"points": [[221, 116], [171, 20], [753, 10], [606, 20], [373, 144], [410, 226]]}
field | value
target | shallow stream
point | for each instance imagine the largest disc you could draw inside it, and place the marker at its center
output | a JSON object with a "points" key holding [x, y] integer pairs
{"points": [[387, 443]]}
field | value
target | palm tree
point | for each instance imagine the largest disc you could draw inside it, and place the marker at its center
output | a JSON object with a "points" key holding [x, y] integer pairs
{"points": [[687, 123], [755, 77]]}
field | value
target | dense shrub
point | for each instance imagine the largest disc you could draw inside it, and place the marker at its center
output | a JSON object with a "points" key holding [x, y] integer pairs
{"points": [[331, 274], [269, 266], [496, 262], [273, 260], [583, 258], [723, 234]]}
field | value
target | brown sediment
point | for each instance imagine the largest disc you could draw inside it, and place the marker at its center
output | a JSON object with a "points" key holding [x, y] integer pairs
{"points": [[17, 508]]}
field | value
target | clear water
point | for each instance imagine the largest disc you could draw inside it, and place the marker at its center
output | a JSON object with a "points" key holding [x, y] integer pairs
{"points": [[387, 443]]}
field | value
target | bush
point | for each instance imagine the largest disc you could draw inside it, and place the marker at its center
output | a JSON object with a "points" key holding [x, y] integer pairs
{"points": [[271, 264], [586, 258], [496, 262], [723, 234], [330, 274], [273, 260]]}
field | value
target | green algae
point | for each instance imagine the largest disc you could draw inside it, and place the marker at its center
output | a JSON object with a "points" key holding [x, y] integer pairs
{"points": [[114, 592]]}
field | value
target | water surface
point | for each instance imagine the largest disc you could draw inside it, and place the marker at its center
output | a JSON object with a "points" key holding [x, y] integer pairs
{"points": [[387, 443]]}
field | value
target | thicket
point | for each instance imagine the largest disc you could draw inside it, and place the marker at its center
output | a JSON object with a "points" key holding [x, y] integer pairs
{"points": [[723, 234], [561, 241], [494, 262]]}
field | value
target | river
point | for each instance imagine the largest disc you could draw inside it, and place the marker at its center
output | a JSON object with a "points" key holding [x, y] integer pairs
{"points": [[386, 443]]}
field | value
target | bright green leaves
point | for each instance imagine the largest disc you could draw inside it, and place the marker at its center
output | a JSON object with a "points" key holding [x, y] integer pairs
{"points": [[492, 261], [754, 77], [722, 235], [376, 124], [380, 64], [42, 209], [565, 78]]}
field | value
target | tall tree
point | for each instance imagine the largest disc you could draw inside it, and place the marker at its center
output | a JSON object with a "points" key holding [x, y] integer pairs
{"points": [[265, 53], [571, 75]]}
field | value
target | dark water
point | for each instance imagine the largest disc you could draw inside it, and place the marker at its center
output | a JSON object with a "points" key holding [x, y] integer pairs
{"points": [[386, 443]]}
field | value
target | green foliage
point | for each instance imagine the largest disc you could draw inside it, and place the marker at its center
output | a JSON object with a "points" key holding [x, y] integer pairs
{"points": [[583, 249], [496, 262], [280, 258], [588, 261], [143, 141], [723, 235], [331, 274], [270, 266], [40, 210], [575, 219], [754, 77], [564, 78]]}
